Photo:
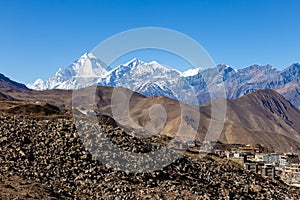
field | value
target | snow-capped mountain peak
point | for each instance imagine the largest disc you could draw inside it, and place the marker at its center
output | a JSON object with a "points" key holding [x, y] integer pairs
{"points": [[133, 63], [135, 72], [192, 72], [150, 78], [153, 78], [88, 65], [88, 55]]}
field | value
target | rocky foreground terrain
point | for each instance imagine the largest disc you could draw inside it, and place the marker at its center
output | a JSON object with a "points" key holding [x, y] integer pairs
{"points": [[46, 159]]}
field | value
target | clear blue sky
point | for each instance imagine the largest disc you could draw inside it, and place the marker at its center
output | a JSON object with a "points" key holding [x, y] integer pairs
{"points": [[38, 37]]}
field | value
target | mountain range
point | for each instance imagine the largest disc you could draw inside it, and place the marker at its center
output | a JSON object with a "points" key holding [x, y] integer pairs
{"points": [[154, 79], [255, 114]]}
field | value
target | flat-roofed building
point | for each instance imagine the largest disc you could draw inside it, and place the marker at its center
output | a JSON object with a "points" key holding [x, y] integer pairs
{"points": [[272, 158], [268, 171], [288, 158], [252, 167]]}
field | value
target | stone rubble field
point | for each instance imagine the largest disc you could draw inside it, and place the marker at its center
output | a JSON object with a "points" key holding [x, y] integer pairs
{"points": [[46, 159]]}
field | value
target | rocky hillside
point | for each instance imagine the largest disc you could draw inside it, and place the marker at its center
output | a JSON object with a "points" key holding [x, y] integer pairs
{"points": [[49, 156]]}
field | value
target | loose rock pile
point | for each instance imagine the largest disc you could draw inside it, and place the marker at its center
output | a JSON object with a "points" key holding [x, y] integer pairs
{"points": [[51, 153]]}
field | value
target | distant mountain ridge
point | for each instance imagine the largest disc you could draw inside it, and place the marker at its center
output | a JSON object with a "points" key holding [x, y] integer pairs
{"points": [[5, 82], [154, 79]]}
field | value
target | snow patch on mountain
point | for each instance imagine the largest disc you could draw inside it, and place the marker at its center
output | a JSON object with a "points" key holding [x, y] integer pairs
{"points": [[192, 72]]}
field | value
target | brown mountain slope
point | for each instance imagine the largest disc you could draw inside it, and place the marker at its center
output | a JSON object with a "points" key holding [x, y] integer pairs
{"points": [[134, 111], [4, 96], [263, 117], [265, 110], [260, 117], [59, 98]]}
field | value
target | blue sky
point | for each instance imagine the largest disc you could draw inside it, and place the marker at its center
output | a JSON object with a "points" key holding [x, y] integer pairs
{"points": [[38, 37]]}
